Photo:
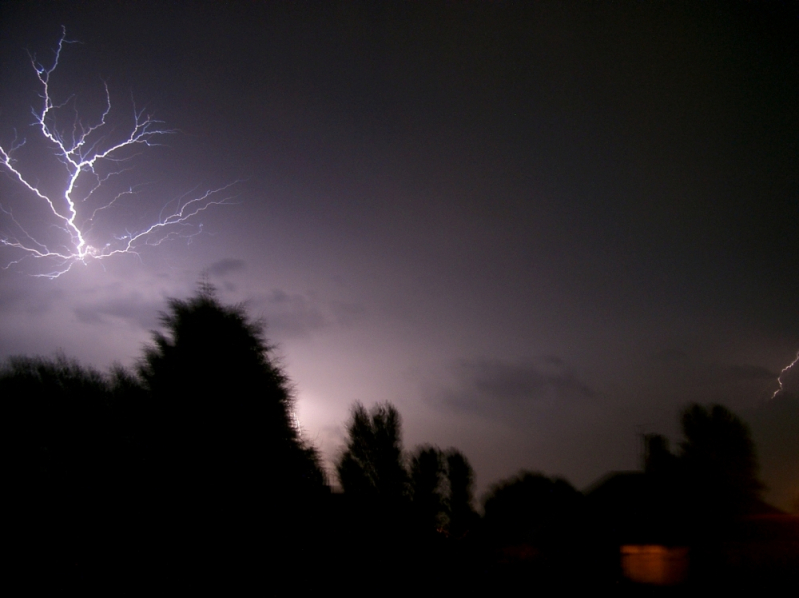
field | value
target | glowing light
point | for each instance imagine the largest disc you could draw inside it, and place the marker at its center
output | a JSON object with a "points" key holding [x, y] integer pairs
{"points": [[786, 369], [58, 229]]}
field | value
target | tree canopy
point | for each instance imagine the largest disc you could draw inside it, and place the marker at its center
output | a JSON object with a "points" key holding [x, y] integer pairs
{"points": [[441, 490], [460, 478], [220, 395], [531, 507], [372, 462], [428, 488], [719, 460]]}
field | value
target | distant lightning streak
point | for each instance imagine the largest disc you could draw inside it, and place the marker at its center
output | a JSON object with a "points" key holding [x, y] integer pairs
{"points": [[81, 149], [784, 371]]}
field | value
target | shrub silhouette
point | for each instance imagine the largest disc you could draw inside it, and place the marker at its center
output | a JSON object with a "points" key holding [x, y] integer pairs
{"points": [[69, 463]]}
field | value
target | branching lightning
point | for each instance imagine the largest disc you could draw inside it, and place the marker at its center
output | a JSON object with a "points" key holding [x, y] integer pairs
{"points": [[89, 155], [784, 371]]}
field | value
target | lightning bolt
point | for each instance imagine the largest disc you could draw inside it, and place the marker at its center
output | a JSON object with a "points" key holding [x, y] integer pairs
{"points": [[787, 368], [90, 156]]}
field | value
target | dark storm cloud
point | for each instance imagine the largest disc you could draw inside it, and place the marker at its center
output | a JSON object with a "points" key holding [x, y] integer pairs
{"points": [[494, 387], [347, 314], [300, 314], [226, 266], [291, 314], [674, 360], [748, 372], [676, 377], [132, 308], [29, 296]]}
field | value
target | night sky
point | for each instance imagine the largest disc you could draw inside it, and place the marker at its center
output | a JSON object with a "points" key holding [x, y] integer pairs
{"points": [[538, 229]]}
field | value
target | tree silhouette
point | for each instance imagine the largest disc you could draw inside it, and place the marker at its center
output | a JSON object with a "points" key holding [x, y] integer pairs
{"points": [[441, 490], [230, 466], [372, 465], [173, 476], [376, 538], [220, 401], [460, 477], [59, 417], [537, 524], [719, 461], [428, 488], [531, 507], [68, 470]]}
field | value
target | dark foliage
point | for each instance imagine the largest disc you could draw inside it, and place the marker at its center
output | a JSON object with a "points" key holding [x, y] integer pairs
{"points": [[175, 476], [70, 457], [460, 478], [396, 522], [531, 507], [371, 466], [441, 491], [536, 528], [223, 405], [719, 462], [428, 491], [224, 452], [58, 416]]}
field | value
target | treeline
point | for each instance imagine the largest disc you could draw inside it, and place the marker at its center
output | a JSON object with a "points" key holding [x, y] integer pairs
{"points": [[187, 470], [188, 473]]}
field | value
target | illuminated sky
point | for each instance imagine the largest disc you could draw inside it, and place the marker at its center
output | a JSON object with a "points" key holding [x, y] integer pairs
{"points": [[538, 229]]}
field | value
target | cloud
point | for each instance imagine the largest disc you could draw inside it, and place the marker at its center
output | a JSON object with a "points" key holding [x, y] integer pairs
{"points": [[133, 308], [27, 295], [292, 314], [225, 266], [673, 378], [676, 363], [300, 314], [505, 389], [748, 372], [347, 314]]}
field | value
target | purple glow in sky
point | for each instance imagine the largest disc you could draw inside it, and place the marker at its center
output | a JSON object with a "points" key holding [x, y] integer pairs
{"points": [[539, 229]]}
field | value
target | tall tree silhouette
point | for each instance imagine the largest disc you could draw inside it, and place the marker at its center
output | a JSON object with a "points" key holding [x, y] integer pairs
{"points": [[230, 466], [428, 488], [220, 401], [372, 474], [372, 465], [441, 490], [460, 476], [719, 460]]}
